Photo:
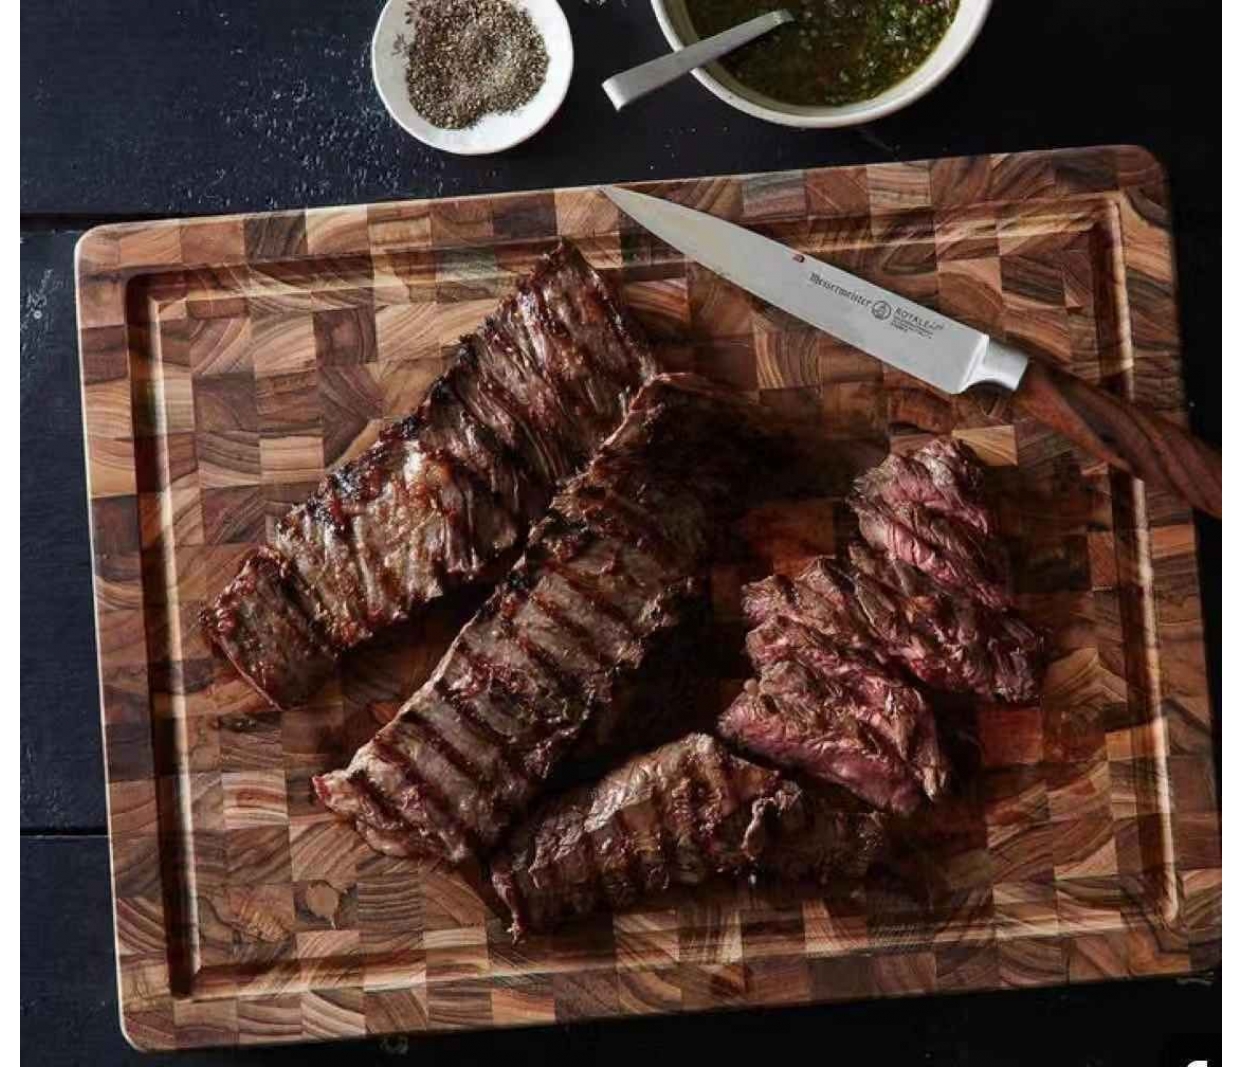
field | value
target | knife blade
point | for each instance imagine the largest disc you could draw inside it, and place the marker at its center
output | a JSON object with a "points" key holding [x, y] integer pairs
{"points": [[913, 338], [934, 348]]}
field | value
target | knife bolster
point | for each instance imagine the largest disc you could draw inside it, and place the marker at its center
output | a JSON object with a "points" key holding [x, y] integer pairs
{"points": [[1001, 364]]}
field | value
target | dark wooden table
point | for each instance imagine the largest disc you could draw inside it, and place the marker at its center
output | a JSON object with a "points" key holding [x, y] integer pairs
{"points": [[141, 108]]}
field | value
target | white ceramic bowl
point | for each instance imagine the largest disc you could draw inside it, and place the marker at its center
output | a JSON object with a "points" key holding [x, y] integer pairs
{"points": [[956, 43], [494, 132]]}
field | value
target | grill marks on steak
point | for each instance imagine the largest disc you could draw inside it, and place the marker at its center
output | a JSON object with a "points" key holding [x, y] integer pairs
{"points": [[950, 642], [950, 552], [266, 632], [675, 816], [926, 512], [926, 596], [556, 655], [931, 577], [679, 815], [826, 702], [942, 476], [838, 718], [444, 495], [821, 598], [925, 614]]}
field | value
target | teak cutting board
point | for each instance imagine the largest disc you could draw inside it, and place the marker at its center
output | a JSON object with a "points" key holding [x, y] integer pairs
{"points": [[228, 363]]}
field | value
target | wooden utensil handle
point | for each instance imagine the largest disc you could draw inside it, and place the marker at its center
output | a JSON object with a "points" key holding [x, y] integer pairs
{"points": [[1127, 436]]}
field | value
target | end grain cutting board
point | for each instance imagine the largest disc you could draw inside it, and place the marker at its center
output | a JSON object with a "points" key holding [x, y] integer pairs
{"points": [[228, 363]]}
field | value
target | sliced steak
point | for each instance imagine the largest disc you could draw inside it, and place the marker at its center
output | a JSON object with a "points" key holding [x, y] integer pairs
{"points": [[925, 596], [837, 717], [942, 476], [952, 553], [932, 579], [675, 816], [821, 598], [951, 643], [557, 653], [445, 498]]}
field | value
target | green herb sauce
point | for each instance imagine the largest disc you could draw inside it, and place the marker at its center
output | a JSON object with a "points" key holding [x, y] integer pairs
{"points": [[835, 52]]}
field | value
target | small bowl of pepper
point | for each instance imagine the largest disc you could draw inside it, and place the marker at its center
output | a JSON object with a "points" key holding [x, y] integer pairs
{"points": [[839, 63], [472, 77]]}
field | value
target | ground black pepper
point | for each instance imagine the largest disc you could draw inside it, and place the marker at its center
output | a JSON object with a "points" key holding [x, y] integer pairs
{"points": [[471, 57]]}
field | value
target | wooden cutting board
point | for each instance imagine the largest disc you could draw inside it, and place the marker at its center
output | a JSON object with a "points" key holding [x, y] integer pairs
{"points": [[228, 363]]}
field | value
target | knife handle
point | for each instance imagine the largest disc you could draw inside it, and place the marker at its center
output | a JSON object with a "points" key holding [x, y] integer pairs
{"points": [[1123, 434]]}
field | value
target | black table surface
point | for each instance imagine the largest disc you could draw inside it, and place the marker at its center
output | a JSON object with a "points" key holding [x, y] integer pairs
{"points": [[144, 108]]}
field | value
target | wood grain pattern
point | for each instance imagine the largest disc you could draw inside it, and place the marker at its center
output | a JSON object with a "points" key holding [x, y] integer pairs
{"points": [[226, 363]]}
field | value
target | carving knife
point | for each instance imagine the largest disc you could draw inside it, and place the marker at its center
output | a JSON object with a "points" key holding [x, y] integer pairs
{"points": [[938, 350]]}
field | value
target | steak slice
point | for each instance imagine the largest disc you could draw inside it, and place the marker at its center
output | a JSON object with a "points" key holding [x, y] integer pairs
{"points": [[557, 652], [951, 552], [931, 579], [837, 717], [821, 598], [445, 497], [951, 643], [925, 595], [942, 476], [926, 512], [675, 816], [828, 702]]}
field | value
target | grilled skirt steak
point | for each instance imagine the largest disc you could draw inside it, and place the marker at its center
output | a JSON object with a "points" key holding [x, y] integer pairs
{"points": [[942, 476], [932, 581], [926, 511], [825, 842], [837, 717], [675, 816], [446, 496], [556, 654], [925, 596], [827, 703], [952, 643]]}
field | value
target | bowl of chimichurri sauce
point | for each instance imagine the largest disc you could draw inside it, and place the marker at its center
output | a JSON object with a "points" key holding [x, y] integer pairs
{"points": [[840, 62]]}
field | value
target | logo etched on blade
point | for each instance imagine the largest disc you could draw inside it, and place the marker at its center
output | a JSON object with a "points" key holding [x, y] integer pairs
{"points": [[881, 309]]}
